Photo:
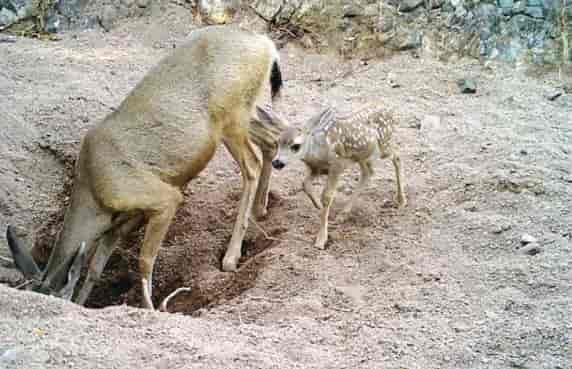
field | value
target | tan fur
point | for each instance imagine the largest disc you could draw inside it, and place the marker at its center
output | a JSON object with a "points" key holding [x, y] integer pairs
{"points": [[328, 145], [133, 166]]}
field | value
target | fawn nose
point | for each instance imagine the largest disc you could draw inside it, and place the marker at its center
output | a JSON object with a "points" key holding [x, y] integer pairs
{"points": [[278, 164]]}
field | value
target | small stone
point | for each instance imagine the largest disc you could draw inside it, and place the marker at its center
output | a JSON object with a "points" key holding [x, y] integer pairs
{"points": [[526, 239], [410, 40], [460, 326], [506, 3], [530, 249], [108, 17], [501, 228], [553, 94], [307, 42], [415, 123], [430, 123], [534, 11], [409, 5], [391, 80], [352, 10], [467, 86], [519, 7]]}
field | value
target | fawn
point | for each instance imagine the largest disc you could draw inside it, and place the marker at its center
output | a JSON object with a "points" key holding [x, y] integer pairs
{"points": [[328, 145]]}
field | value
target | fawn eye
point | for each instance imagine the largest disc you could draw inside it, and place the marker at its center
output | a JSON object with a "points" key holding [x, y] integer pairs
{"points": [[295, 147]]}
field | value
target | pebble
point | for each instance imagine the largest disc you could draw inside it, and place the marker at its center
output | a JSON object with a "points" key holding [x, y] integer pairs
{"points": [[553, 94], [526, 239], [501, 228], [460, 327], [467, 86], [391, 80], [530, 249]]}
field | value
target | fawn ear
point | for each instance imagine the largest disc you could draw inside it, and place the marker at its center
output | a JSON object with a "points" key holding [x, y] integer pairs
{"points": [[22, 257], [74, 273], [322, 119], [265, 113]]}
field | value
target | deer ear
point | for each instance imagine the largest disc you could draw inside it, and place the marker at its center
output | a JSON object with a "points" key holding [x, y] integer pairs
{"points": [[22, 257], [74, 273]]}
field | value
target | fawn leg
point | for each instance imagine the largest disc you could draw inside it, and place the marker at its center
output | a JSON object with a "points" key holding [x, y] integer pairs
{"points": [[366, 169], [260, 207], [327, 198], [103, 250], [400, 197], [307, 187], [245, 155]]}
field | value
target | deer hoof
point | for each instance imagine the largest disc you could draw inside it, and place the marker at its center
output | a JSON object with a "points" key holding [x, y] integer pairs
{"points": [[230, 263]]}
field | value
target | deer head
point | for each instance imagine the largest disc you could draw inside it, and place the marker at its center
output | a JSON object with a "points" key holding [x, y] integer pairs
{"points": [[61, 282]]}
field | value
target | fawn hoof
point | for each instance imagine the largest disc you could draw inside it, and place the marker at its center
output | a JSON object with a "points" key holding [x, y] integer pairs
{"points": [[230, 263], [260, 213], [321, 243]]}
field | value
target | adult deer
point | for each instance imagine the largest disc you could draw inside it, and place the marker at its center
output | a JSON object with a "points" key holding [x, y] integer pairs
{"points": [[133, 165]]}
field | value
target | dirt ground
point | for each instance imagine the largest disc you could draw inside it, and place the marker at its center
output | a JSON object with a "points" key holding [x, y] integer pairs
{"points": [[443, 283]]}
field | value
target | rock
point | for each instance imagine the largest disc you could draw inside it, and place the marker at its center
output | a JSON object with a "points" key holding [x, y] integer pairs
{"points": [[409, 5], [553, 94], [7, 17], [143, 3], [414, 123], [435, 4], [7, 39], [534, 11], [12, 11], [459, 327], [467, 86], [352, 10], [519, 7], [501, 228], [526, 239], [269, 8], [107, 17], [431, 122], [371, 10], [530, 249], [411, 40], [391, 80]]}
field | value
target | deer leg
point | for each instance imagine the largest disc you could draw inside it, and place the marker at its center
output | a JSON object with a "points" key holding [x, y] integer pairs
{"points": [[245, 155], [400, 197], [260, 208], [159, 220], [327, 198], [307, 187], [366, 169], [103, 251]]}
